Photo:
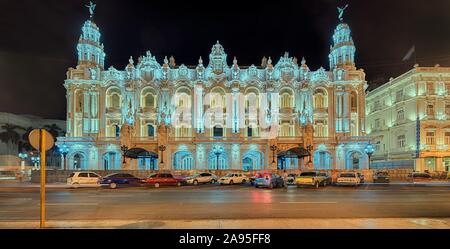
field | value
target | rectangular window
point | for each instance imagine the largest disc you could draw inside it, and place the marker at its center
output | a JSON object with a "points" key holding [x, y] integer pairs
{"points": [[399, 96], [377, 123], [447, 109], [447, 138], [400, 115], [401, 140], [430, 110], [430, 139]]}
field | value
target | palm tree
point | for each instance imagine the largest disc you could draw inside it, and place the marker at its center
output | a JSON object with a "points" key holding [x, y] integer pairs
{"points": [[9, 135], [53, 154], [24, 143], [54, 129]]}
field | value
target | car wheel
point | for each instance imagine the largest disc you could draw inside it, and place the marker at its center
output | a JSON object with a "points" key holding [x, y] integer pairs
{"points": [[325, 183], [231, 182], [316, 185], [213, 181], [271, 186], [112, 185], [76, 185], [195, 182], [244, 181], [179, 184], [157, 185]]}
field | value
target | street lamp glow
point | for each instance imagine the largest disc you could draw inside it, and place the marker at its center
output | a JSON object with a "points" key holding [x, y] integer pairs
{"points": [[369, 151]]}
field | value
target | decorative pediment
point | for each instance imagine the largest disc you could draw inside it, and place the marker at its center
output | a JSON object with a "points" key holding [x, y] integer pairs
{"points": [[320, 75], [148, 67], [113, 75]]}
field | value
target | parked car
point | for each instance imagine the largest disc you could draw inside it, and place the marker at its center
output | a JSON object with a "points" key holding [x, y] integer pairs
{"points": [[83, 179], [269, 180], [256, 176], [201, 178], [348, 179], [291, 179], [114, 180], [163, 179], [381, 177], [313, 178], [234, 178], [420, 177]]}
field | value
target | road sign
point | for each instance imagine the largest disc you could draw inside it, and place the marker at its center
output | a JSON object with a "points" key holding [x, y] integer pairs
{"points": [[35, 138], [42, 140]]}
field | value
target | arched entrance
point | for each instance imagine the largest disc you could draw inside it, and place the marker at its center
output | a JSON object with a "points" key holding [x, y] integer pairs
{"points": [[322, 160], [355, 160], [78, 161], [183, 160], [252, 160]]}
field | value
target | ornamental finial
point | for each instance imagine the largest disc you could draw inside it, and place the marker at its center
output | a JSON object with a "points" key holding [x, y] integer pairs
{"points": [[341, 11], [91, 8]]}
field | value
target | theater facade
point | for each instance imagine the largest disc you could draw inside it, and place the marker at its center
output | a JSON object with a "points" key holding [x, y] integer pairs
{"points": [[216, 115]]}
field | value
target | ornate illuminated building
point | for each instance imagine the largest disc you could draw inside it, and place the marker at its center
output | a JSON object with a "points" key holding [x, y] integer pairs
{"points": [[408, 117], [215, 115]]}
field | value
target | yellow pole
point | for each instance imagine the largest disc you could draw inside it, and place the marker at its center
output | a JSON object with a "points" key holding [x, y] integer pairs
{"points": [[43, 150]]}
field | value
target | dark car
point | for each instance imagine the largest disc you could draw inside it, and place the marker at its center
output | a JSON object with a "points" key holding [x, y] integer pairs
{"points": [[163, 179], [117, 179], [420, 177], [269, 180], [381, 177]]}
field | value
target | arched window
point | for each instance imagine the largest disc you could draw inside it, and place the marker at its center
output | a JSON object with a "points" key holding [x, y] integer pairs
{"points": [[320, 99], [217, 98], [114, 99], [148, 98], [286, 98]]}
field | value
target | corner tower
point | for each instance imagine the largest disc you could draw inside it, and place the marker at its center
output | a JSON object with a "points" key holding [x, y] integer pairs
{"points": [[342, 54], [90, 50]]}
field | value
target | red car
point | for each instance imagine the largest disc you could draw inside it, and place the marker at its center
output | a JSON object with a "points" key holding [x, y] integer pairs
{"points": [[163, 179]]}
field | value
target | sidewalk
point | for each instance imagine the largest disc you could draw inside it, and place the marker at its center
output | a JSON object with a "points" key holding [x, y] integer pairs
{"points": [[394, 223], [17, 184]]}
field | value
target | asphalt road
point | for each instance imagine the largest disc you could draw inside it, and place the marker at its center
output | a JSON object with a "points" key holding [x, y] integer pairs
{"points": [[227, 202]]}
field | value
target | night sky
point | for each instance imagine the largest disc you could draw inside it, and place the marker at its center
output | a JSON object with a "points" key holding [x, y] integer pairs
{"points": [[38, 38]]}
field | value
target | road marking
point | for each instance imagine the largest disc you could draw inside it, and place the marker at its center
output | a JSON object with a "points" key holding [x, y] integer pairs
{"points": [[308, 202], [109, 196], [72, 204]]}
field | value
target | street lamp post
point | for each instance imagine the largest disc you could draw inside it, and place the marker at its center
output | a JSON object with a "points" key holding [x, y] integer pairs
{"points": [[218, 151], [162, 148], [369, 151], [64, 150], [273, 148]]}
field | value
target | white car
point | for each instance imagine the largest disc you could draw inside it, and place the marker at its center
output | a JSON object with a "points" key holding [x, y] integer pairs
{"points": [[83, 179], [234, 178], [348, 179], [201, 178]]}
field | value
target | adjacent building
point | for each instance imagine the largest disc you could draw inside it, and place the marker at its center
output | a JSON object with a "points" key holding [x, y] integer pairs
{"points": [[408, 118], [215, 115]]}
